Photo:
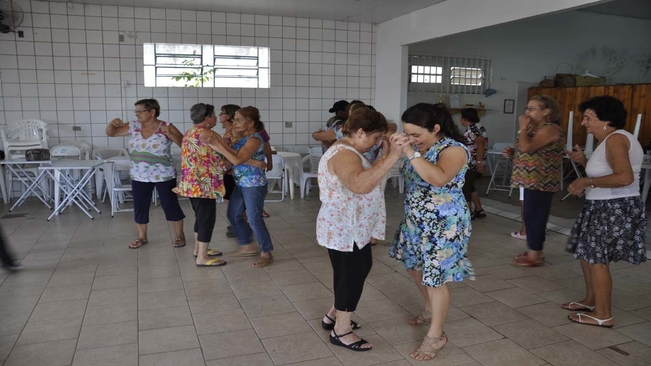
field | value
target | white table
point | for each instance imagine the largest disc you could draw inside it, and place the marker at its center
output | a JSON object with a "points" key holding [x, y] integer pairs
{"points": [[33, 186], [61, 172], [294, 166]]}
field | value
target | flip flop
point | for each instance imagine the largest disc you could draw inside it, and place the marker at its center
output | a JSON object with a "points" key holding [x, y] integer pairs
{"points": [[244, 254], [578, 307], [179, 243], [212, 253], [213, 263], [137, 243], [265, 214], [600, 322], [526, 262]]}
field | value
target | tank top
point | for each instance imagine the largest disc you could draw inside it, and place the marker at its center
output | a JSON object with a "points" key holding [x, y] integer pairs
{"points": [[151, 158], [598, 167]]}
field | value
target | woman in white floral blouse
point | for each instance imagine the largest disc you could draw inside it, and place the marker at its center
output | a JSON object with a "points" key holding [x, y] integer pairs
{"points": [[352, 212]]}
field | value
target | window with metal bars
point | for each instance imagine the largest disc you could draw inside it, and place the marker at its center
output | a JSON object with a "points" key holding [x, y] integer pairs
{"points": [[446, 74], [208, 66]]}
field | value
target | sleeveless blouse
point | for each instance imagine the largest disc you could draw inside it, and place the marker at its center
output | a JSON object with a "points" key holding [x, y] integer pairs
{"points": [[151, 158], [539, 170], [346, 218], [598, 166], [248, 175]]}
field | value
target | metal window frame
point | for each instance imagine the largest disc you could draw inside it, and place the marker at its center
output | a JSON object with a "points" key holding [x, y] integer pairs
{"points": [[448, 64]]}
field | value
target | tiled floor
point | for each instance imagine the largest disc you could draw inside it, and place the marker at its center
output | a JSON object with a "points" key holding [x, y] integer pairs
{"points": [[84, 298]]}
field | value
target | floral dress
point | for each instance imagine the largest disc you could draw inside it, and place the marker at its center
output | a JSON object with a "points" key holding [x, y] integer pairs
{"points": [[202, 169], [434, 234]]}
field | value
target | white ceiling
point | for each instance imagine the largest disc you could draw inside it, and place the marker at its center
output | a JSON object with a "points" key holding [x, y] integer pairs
{"points": [[366, 11]]}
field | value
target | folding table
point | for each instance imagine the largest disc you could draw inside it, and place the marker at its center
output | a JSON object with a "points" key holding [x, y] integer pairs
{"points": [[34, 186], [61, 173]]}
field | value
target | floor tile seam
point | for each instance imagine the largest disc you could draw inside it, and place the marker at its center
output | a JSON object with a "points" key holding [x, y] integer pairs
{"points": [[187, 302]]}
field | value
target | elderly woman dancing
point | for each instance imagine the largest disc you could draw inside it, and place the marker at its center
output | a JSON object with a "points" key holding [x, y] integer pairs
{"points": [[433, 236], [151, 167], [202, 181], [352, 212], [612, 224]]}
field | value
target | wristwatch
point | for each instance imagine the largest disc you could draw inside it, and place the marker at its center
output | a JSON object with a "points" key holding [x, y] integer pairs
{"points": [[415, 155], [592, 183]]}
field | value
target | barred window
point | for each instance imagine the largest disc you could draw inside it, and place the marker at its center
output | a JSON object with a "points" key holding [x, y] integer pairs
{"points": [[208, 66], [446, 74]]}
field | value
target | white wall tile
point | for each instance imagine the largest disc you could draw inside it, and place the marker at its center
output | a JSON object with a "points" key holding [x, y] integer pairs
{"points": [[81, 63]]}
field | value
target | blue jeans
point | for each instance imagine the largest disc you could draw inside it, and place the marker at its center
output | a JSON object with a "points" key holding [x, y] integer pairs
{"points": [[250, 199]]}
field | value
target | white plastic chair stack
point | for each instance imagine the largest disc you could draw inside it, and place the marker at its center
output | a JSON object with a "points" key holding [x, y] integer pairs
{"points": [[318, 150], [312, 173], [277, 175], [638, 122]]}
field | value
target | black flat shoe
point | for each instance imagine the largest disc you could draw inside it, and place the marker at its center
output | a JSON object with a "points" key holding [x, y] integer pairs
{"points": [[357, 346], [331, 326], [480, 214]]}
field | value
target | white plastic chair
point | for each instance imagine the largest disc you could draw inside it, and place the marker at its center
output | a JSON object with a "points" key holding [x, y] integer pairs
{"points": [[277, 175], [303, 150], [120, 190], [396, 177], [312, 173], [105, 154], [316, 150]]}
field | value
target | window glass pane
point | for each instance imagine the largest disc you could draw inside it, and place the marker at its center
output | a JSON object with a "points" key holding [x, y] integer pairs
{"points": [[150, 75], [185, 49], [148, 54], [236, 83], [263, 78], [427, 69], [414, 78], [236, 62], [236, 51], [236, 72], [426, 79], [439, 79], [414, 69], [421, 69], [420, 78], [263, 57]]}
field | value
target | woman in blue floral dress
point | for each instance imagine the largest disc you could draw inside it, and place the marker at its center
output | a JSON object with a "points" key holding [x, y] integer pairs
{"points": [[433, 236]]}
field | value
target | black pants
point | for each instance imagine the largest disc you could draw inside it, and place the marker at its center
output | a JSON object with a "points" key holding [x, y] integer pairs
{"points": [[5, 256], [205, 214], [229, 184], [469, 184], [350, 271], [142, 200], [537, 205]]}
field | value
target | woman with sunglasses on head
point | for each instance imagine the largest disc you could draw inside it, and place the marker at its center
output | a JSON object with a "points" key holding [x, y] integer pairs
{"points": [[537, 158], [151, 167]]}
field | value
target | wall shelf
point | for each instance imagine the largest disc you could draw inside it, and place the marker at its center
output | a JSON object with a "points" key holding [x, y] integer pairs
{"points": [[480, 111]]}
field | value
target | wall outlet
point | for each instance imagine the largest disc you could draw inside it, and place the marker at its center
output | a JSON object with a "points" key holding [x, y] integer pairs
{"points": [[121, 37], [76, 128], [289, 124]]}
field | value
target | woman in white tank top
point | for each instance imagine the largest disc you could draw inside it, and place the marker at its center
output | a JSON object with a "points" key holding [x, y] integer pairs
{"points": [[612, 224]]}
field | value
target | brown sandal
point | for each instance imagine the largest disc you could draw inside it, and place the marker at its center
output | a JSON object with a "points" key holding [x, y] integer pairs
{"points": [[428, 349], [263, 262], [137, 243], [421, 318], [179, 243]]}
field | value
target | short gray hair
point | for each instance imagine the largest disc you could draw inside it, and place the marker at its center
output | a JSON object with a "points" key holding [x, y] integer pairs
{"points": [[200, 111]]}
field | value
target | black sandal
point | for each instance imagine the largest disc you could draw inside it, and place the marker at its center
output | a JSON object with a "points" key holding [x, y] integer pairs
{"points": [[357, 346], [331, 326], [480, 214]]}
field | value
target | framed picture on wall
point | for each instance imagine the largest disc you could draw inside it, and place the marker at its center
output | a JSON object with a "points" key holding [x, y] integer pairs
{"points": [[509, 105]]}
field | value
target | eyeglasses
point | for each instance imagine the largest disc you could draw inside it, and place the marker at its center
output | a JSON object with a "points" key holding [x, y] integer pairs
{"points": [[138, 111], [533, 109]]}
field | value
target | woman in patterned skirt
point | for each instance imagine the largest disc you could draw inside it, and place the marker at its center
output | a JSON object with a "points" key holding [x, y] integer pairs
{"points": [[434, 234], [612, 224], [537, 159]]}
